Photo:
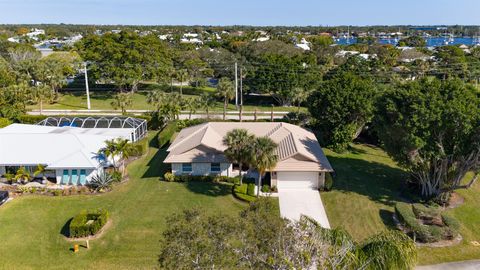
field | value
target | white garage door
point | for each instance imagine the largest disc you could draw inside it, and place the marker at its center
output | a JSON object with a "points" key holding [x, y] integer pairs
{"points": [[290, 180]]}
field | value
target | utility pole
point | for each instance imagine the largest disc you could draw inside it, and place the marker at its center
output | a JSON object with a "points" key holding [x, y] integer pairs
{"points": [[241, 94], [236, 86], [86, 85]]}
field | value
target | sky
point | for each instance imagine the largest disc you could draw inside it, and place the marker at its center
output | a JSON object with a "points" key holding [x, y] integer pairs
{"points": [[242, 12]]}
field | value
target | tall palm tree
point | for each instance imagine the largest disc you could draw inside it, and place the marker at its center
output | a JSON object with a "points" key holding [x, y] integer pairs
{"points": [[110, 151], [263, 157], [41, 94], [122, 101], [181, 76], [238, 143], [226, 91], [207, 102], [124, 151], [190, 104]]}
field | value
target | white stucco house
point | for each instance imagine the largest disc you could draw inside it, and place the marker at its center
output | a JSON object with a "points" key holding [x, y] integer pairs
{"points": [[67, 147], [198, 150]]}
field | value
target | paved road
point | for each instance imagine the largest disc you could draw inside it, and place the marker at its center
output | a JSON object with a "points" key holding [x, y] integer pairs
{"points": [[297, 202], [463, 265], [231, 115]]}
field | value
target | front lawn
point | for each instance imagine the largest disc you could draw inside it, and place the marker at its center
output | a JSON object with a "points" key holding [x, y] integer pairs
{"points": [[101, 100], [32, 228], [364, 194]]}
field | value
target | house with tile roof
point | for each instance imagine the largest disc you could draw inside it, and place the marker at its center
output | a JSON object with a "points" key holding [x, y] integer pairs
{"points": [[198, 150]]}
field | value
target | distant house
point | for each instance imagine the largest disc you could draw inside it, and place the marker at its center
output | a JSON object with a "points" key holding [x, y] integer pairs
{"points": [[303, 44], [198, 150]]}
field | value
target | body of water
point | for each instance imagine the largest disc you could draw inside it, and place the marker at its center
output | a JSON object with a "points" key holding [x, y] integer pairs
{"points": [[431, 42]]}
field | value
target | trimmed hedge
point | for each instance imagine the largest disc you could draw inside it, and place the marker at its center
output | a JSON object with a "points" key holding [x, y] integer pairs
{"points": [[164, 136], [409, 215], [240, 192], [80, 228], [170, 177], [251, 189], [140, 148], [4, 122], [30, 119], [328, 182]]}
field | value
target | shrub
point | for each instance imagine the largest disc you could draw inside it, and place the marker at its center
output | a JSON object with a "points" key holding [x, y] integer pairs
{"points": [[140, 147], [328, 182], [169, 177], [451, 222], [423, 212], [79, 227], [57, 192], [241, 188], [240, 192], [226, 179], [181, 124], [251, 189], [4, 122], [30, 119], [33, 190], [266, 189], [116, 176], [101, 181]]}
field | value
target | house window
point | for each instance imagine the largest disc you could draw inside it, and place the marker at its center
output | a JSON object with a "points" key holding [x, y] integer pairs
{"points": [[215, 167], [186, 167]]}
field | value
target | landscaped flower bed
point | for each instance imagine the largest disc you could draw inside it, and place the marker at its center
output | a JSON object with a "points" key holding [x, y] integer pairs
{"points": [[87, 223], [427, 224]]}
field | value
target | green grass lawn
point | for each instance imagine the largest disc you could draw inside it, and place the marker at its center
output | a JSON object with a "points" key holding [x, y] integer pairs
{"points": [[365, 191], [31, 227], [101, 100]]}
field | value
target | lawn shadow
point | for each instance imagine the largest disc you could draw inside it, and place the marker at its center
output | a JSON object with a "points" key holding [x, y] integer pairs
{"points": [[65, 231], [209, 189], [387, 218], [380, 182], [155, 166]]}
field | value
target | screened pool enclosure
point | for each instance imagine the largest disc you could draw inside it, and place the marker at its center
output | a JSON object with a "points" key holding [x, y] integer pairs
{"points": [[138, 126]]}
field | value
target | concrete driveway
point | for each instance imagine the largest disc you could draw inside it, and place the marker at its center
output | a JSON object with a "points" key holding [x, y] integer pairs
{"points": [[297, 202], [464, 265]]}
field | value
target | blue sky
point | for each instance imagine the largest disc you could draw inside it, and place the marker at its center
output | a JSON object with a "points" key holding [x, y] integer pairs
{"points": [[245, 12]]}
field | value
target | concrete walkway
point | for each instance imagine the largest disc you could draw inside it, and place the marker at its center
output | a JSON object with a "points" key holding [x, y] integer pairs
{"points": [[297, 202], [463, 265]]}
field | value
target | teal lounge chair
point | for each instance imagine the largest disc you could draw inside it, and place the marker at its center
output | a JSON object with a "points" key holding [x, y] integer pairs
{"points": [[83, 177], [65, 177], [74, 177]]}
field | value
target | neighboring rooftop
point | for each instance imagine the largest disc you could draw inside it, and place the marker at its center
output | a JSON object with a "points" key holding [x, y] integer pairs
{"points": [[298, 149]]}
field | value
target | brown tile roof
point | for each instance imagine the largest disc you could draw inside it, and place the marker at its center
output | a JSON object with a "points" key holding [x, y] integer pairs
{"points": [[298, 149]]}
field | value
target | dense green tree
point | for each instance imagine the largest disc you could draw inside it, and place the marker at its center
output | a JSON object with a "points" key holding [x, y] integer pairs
{"points": [[260, 239], [341, 107], [41, 94], [321, 41], [432, 128], [126, 58]]}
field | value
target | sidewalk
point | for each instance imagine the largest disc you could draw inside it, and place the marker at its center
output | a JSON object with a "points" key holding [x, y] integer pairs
{"points": [[463, 265]]}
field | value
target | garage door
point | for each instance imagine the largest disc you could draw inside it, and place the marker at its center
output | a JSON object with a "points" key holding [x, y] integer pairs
{"points": [[290, 180]]}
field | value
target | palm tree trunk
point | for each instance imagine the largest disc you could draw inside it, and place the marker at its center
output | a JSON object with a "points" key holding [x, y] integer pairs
{"points": [[241, 176], [190, 115], [208, 114], [41, 107], [259, 184], [224, 109]]}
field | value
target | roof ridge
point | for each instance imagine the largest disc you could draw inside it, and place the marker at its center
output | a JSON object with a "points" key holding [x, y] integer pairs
{"points": [[296, 141], [275, 129], [187, 137]]}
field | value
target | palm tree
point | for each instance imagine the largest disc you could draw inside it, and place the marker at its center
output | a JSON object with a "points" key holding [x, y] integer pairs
{"points": [[156, 98], [207, 102], [190, 104], [226, 91], [22, 175], [181, 76], [41, 94], [238, 143], [41, 169], [263, 157], [122, 101], [124, 151], [109, 151]]}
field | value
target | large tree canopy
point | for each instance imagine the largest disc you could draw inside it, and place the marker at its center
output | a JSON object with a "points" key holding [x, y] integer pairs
{"points": [[126, 58], [433, 129], [341, 107]]}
